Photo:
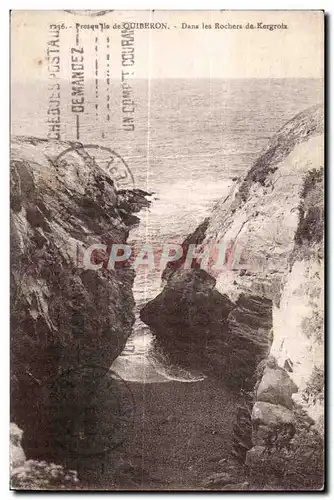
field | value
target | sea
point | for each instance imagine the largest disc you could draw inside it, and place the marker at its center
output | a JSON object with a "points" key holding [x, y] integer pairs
{"points": [[191, 139]]}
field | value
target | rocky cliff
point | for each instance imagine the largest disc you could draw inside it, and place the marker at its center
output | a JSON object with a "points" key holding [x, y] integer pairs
{"points": [[271, 301], [288, 415], [63, 317]]}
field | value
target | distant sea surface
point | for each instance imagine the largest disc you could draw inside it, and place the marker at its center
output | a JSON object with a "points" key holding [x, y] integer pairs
{"points": [[191, 138]]}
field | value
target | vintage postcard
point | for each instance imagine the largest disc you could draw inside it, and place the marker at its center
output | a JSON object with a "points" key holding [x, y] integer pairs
{"points": [[167, 250]]}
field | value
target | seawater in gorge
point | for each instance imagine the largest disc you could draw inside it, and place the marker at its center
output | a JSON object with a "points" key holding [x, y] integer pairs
{"points": [[140, 362]]}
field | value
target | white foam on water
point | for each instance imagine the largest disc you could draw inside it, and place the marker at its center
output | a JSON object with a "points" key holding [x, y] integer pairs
{"points": [[140, 363], [175, 211]]}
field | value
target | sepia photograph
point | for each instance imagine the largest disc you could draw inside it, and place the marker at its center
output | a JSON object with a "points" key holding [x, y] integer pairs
{"points": [[167, 250]]}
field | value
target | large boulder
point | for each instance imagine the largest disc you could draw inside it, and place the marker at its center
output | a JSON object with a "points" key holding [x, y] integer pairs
{"points": [[188, 300], [201, 329], [276, 387], [271, 415]]}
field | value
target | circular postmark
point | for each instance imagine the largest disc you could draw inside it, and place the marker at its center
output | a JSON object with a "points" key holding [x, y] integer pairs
{"points": [[93, 155], [93, 410]]}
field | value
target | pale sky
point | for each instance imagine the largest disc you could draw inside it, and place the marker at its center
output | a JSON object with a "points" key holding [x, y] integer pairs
{"points": [[296, 52]]}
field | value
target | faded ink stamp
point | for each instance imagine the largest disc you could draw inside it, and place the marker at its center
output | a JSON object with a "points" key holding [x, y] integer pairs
{"points": [[104, 157]]}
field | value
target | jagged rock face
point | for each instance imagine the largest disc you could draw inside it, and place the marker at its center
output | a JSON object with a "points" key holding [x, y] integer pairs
{"points": [[62, 316], [201, 329], [301, 307], [298, 349], [261, 216]]}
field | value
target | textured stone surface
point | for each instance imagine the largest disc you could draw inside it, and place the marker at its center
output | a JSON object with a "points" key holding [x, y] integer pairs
{"points": [[62, 316], [271, 415], [276, 387], [201, 329], [299, 320], [261, 213]]}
